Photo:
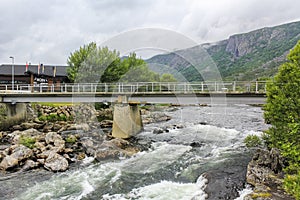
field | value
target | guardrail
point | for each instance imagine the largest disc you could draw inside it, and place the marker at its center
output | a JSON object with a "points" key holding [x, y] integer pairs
{"points": [[141, 87]]}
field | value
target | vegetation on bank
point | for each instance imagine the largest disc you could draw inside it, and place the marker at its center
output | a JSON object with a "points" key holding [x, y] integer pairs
{"points": [[92, 64], [282, 111]]}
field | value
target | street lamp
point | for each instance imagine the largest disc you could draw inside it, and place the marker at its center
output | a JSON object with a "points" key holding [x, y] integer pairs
{"points": [[12, 72]]}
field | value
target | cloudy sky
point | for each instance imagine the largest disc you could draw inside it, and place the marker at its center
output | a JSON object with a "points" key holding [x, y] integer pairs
{"points": [[48, 31]]}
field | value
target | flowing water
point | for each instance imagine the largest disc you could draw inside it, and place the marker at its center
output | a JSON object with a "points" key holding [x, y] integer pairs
{"points": [[177, 166]]}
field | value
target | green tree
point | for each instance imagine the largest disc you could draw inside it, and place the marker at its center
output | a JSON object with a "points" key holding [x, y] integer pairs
{"points": [[136, 70], [282, 111], [77, 58], [167, 78], [95, 65]]}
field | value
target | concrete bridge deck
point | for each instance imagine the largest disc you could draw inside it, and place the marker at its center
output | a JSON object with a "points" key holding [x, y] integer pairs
{"points": [[167, 97]]}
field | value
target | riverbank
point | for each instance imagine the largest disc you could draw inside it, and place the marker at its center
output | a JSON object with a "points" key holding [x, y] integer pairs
{"points": [[200, 149]]}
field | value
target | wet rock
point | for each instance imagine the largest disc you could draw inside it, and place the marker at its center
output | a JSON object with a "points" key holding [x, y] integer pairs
{"points": [[88, 146], [264, 172], [56, 162], [158, 131], [30, 164], [155, 117], [84, 127], [105, 154]]}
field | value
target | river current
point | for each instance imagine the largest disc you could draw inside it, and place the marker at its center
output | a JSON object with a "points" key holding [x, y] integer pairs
{"points": [[178, 165]]}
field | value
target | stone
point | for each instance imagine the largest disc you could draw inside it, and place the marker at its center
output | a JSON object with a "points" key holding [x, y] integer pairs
{"points": [[56, 162], [84, 127], [8, 162], [105, 154], [106, 123], [41, 161], [81, 156], [158, 131], [30, 164], [264, 172], [52, 138], [21, 152]]}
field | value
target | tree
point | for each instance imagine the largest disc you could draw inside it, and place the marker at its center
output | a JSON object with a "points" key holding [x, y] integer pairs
{"points": [[167, 78], [282, 111], [136, 70], [77, 58]]}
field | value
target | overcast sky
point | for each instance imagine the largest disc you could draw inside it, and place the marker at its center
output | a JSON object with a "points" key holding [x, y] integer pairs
{"points": [[48, 31]]}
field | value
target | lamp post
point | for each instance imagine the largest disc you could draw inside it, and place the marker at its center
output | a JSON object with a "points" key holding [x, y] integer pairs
{"points": [[12, 72]]}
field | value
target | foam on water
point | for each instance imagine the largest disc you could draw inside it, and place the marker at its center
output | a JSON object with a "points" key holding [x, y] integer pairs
{"points": [[77, 184], [165, 190]]}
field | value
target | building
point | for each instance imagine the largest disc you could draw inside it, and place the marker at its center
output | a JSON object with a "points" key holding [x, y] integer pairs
{"points": [[34, 74]]}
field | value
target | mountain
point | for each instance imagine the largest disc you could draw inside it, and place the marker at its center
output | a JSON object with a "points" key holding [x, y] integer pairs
{"points": [[247, 56]]}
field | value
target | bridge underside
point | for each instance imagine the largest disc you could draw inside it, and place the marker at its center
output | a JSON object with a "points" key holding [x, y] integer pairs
{"points": [[182, 99]]}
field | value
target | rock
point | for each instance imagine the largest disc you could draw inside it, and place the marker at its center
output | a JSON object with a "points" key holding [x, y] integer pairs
{"points": [[18, 153], [52, 138], [264, 172], [21, 152], [158, 131], [41, 161], [8, 162], [56, 162], [105, 154], [31, 125], [84, 127], [48, 127], [30, 164], [88, 146], [81, 156], [106, 123]]}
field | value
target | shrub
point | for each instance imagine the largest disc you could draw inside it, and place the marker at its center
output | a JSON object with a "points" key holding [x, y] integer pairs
{"points": [[27, 141], [252, 141], [71, 139], [292, 185]]}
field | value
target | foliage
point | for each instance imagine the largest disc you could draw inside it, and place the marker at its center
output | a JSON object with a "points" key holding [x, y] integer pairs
{"points": [[282, 112], [76, 59], [53, 117], [95, 65], [252, 141], [292, 185], [167, 78], [71, 139], [27, 141], [92, 64]]}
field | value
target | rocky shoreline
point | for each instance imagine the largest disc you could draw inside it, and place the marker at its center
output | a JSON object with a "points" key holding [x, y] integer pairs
{"points": [[53, 138]]}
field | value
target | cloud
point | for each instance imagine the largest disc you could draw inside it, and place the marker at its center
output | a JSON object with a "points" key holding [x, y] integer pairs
{"points": [[47, 31]]}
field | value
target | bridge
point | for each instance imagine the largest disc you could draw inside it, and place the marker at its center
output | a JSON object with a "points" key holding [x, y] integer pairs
{"points": [[150, 92]]}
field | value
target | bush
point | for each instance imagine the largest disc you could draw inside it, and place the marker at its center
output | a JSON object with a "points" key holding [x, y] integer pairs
{"points": [[292, 185], [252, 141], [282, 112], [27, 141], [71, 139]]}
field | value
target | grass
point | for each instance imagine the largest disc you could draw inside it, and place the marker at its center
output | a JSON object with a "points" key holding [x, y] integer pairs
{"points": [[51, 104]]}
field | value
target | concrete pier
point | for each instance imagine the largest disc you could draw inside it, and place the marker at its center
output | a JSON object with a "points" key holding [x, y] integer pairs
{"points": [[127, 120]]}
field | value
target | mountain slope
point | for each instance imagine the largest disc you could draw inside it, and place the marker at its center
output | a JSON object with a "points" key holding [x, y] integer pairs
{"points": [[247, 56]]}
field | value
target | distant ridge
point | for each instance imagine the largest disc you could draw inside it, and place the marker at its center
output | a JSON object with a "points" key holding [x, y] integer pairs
{"points": [[247, 56]]}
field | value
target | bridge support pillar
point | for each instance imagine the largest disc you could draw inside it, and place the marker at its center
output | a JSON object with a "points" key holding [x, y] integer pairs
{"points": [[15, 113], [127, 120]]}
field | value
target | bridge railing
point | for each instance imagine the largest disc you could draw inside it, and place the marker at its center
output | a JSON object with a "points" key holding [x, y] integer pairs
{"points": [[141, 87]]}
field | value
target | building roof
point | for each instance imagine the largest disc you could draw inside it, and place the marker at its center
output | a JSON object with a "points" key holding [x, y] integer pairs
{"points": [[19, 70]]}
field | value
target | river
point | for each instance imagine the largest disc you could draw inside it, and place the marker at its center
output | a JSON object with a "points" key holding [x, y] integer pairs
{"points": [[204, 159]]}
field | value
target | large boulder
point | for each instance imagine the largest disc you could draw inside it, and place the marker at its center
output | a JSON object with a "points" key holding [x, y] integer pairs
{"points": [[265, 173], [18, 153], [56, 162]]}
